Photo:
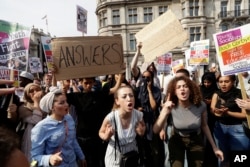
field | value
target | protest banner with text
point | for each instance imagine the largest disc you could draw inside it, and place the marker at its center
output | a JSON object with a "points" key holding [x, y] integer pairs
{"points": [[77, 57], [164, 63], [233, 50], [199, 52], [47, 49], [14, 45]]}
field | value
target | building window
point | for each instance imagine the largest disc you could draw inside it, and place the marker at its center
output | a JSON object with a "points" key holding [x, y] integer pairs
{"points": [[148, 15], [237, 8], [132, 42], [193, 7], [224, 27], [132, 16], [116, 17], [183, 9], [103, 19], [223, 12], [162, 9], [237, 24], [195, 34], [248, 7]]}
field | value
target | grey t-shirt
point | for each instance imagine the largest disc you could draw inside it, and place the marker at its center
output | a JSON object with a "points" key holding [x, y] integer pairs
{"points": [[188, 120]]}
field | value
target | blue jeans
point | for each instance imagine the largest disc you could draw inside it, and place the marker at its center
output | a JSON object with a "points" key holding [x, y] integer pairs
{"points": [[230, 138]]}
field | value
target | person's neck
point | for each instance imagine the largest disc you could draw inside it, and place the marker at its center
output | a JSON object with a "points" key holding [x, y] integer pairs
{"points": [[56, 117], [184, 104], [124, 114]]}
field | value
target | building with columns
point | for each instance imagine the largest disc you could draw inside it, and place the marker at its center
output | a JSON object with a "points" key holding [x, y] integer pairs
{"points": [[200, 18]]}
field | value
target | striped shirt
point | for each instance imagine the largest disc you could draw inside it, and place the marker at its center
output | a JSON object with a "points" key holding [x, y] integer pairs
{"points": [[127, 139]]}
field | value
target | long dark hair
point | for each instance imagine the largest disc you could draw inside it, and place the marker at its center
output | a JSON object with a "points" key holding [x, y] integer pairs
{"points": [[207, 93]]}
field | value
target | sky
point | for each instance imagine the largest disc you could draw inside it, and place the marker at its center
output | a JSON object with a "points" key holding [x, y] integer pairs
{"points": [[61, 15]]}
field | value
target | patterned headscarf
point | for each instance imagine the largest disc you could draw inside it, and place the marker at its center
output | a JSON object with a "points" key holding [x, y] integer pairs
{"points": [[47, 100]]}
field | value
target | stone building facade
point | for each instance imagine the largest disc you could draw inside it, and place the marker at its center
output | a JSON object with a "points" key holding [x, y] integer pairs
{"points": [[200, 18]]}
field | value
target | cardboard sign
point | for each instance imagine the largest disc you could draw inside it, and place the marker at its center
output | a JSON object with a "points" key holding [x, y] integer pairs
{"points": [[78, 57], [160, 36]]}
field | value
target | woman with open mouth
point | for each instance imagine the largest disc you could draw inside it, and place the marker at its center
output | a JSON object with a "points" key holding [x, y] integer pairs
{"points": [[121, 126], [228, 131], [188, 112], [53, 139]]}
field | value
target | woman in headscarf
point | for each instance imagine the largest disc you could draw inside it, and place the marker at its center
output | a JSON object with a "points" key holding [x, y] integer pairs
{"points": [[54, 138], [30, 114]]}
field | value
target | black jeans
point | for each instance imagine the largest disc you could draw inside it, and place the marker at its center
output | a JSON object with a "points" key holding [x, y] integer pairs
{"points": [[94, 150], [193, 146]]}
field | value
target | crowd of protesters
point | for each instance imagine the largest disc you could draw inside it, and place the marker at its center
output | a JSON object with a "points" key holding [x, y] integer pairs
{"points": [[74, 122]]}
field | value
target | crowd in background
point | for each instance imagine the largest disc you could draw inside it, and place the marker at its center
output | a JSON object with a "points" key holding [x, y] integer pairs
{"points": [[74, 122]]}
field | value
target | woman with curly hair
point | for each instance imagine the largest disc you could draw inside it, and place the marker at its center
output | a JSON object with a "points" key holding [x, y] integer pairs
{"points": [[189, 116]]}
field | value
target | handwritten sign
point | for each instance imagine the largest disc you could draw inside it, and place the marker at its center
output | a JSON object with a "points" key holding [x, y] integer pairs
{"points": [[233, 50], [77, 57], [160, 36]]}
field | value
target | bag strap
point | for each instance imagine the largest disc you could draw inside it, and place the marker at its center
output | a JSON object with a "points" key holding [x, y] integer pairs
{"points": [[116, 137], [66, 134]]}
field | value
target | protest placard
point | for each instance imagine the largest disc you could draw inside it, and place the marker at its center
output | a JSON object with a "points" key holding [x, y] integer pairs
{"points": [[233, 51], [10, 74], [199, 52], [161, 35], [14, 45], [177, 64], [35, 65], [77, 57], [47, 49], [81, 19], [164, 63]]}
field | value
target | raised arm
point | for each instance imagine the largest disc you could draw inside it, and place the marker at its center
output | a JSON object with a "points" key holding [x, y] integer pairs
{"points": [[134, 69], [162, 119]]}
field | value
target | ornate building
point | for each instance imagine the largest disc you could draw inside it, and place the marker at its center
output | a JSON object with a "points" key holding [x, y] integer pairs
{"points": [[200, 18]]}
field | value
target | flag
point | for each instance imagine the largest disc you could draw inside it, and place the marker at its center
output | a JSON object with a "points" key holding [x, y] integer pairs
{"points": [[44, 17]]}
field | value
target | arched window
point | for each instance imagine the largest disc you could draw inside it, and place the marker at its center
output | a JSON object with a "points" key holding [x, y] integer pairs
{"points": [[224, 27], [237, 24]]}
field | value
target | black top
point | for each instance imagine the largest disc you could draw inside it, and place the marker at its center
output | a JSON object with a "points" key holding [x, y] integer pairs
{"points": [[91, 110]]}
